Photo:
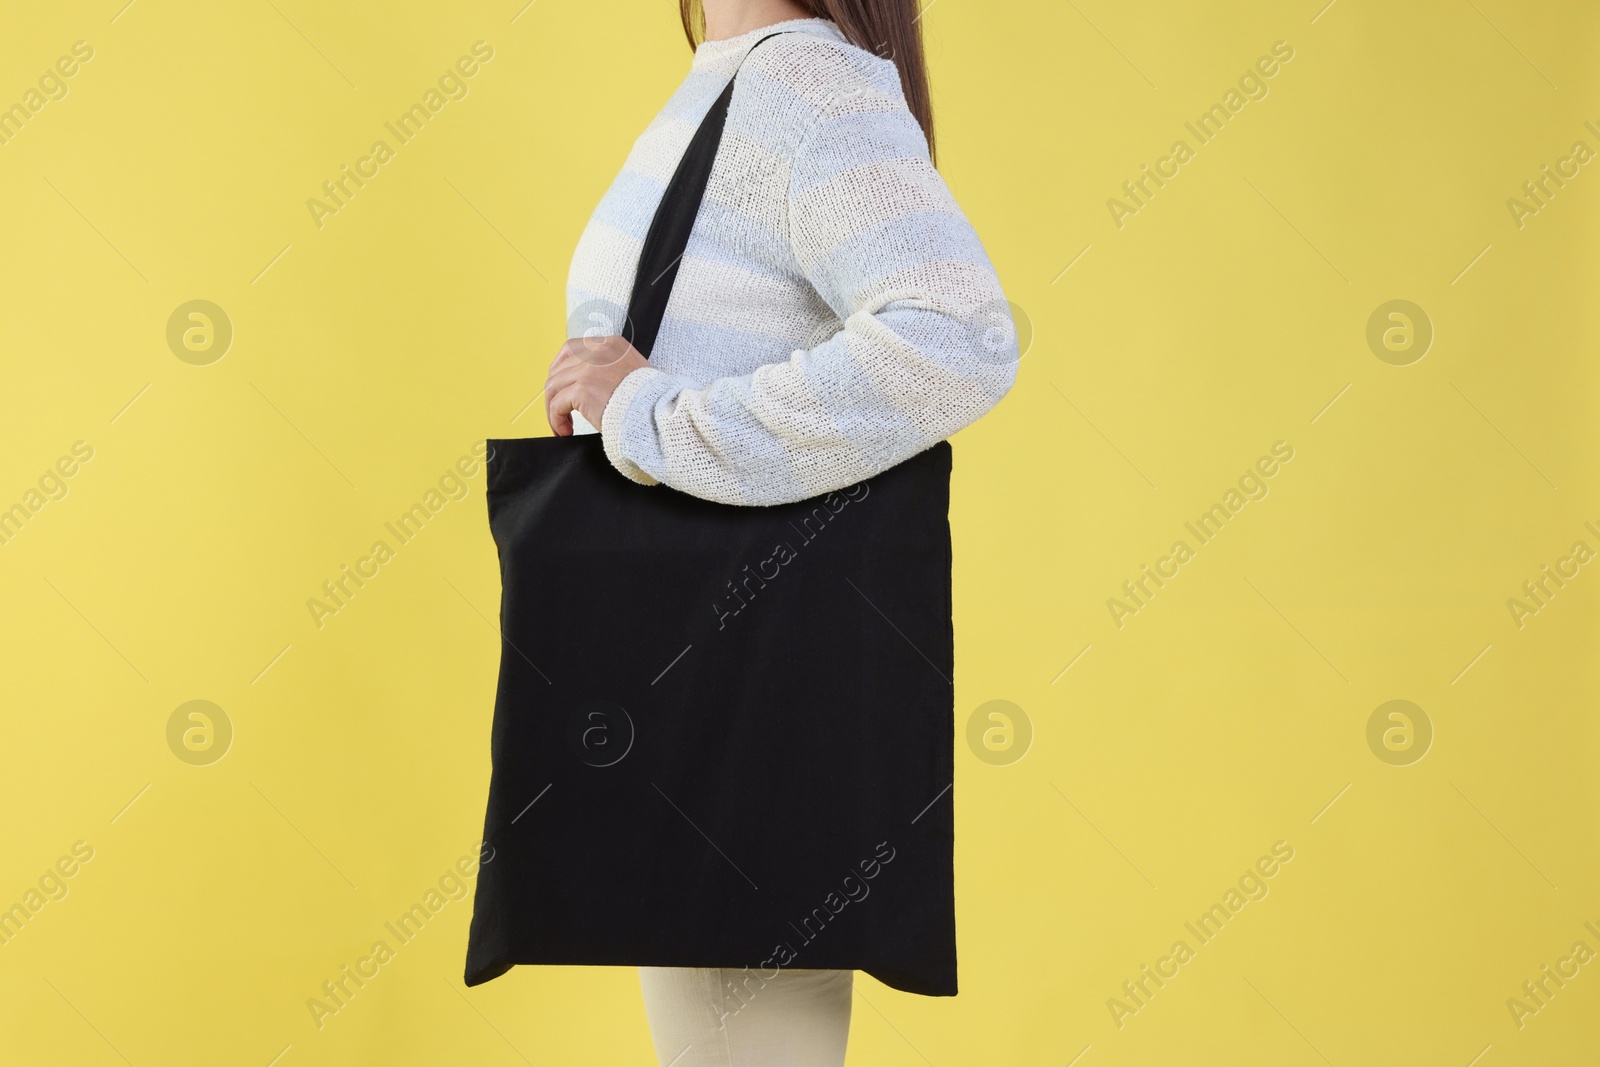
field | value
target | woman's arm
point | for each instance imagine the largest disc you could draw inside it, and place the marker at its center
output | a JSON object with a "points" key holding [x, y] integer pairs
{"points": [[926, 346]]}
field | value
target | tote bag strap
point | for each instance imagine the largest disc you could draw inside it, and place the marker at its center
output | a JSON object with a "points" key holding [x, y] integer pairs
{"points": [[669, 231]]}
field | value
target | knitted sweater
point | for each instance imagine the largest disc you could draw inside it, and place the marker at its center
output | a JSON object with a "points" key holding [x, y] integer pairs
{"points": [[834, 313]]}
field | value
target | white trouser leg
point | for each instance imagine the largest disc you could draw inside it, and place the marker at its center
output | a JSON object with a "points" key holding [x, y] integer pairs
{"points": [[712, 1017]]}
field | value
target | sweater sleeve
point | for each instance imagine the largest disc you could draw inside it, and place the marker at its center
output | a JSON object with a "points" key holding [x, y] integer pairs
{"points": [[924, 342]]}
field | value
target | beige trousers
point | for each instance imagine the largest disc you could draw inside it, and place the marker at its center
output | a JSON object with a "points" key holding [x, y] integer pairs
{"points": [[711, 1017]]}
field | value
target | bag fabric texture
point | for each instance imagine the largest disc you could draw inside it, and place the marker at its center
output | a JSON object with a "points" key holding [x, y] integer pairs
{"points": [[722, 736]]}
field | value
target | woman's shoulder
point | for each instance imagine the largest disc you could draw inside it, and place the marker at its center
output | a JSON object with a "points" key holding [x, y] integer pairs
{"points": [[816, 67]]}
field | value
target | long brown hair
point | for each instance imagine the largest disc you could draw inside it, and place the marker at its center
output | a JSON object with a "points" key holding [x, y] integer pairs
{"points": [[889, 29]]}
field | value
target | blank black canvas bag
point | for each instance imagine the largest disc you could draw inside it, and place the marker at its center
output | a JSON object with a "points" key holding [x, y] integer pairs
{"points": [[722, 735]]}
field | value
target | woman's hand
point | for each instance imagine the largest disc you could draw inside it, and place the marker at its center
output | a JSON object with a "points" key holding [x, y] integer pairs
{"points": [[583, 376]]}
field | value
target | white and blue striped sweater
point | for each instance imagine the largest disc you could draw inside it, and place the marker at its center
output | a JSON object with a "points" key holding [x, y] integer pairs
{"points": [[834, 312]]}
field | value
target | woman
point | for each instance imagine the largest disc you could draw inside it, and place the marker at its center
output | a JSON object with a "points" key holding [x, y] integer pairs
{"points": [[833, 314]]}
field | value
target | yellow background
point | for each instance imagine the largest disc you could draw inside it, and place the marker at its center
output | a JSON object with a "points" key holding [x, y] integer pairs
{"points": [[1228, 714]]}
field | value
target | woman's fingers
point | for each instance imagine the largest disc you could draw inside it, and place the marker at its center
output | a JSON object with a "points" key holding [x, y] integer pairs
{"points": [[562, 387], [560, 377], [560, 401], [566, 367], [585, 368]]}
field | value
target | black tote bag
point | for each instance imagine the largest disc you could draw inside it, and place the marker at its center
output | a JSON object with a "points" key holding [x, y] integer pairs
{"points": [[722, 735]]}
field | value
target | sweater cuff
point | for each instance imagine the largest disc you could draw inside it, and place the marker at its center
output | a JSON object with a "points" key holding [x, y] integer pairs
{"points": [[614, 419]]}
